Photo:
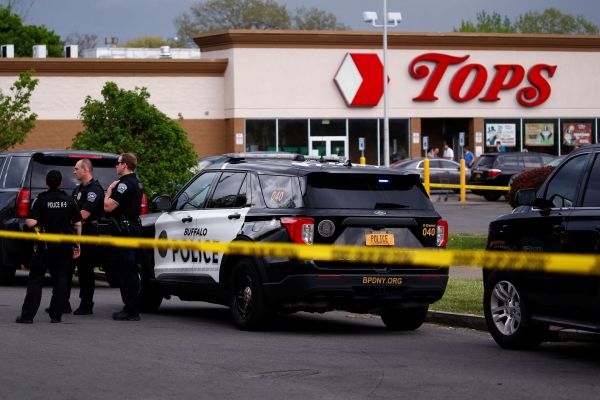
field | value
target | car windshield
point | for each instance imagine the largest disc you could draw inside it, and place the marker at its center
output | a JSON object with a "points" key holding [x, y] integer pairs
{"points": [[365, 191]]}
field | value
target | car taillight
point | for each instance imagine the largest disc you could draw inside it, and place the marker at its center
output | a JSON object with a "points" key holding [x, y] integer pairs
{"points": [[23, 200], [300, 229], [493, 172], [144, 210], [441, 233]]}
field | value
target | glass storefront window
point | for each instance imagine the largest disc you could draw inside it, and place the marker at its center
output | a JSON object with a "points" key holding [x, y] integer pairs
{"points": [[365, 128], [399, 143], [541, 135], [260, 135], [293, 135], [575, 133], [505, 131], [327, 127]]}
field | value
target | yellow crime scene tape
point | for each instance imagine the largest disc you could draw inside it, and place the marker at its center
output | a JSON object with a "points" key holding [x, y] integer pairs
{"points": [[503, 260], [457, 186]]}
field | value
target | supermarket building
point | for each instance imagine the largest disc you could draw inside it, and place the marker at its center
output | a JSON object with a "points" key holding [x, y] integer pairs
{"points": [[321, 91]]}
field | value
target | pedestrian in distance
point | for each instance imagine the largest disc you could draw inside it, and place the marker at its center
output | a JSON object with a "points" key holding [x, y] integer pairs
{"points": [[433, 152], [123, 205], [448, 152], [469, 157], [499, 147], [53, 211], [89, 197]]}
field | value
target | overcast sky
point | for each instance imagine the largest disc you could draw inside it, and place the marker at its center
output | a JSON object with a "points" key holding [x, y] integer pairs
{"points": [[127, 19]]}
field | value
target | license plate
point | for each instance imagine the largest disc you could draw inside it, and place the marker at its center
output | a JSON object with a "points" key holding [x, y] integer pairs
{"points": [[379, 239]]}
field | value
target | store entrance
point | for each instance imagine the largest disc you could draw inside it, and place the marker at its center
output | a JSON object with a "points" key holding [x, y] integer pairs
{"points": [[445, 130], [328, 146]]}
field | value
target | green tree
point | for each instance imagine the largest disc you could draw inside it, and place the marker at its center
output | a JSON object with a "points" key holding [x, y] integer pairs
{"points": [[16, 118], [485, 22], [124, 121], [315, 19], [24, 37], [552, 20], [148, 42]]}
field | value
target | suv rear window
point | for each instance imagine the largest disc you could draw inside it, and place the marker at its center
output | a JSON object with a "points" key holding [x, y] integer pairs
{"points": [[104, 171], [486, 161], [365, 191]]}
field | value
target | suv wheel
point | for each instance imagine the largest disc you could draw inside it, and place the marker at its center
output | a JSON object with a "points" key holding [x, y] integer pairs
{"points": [[507, 316], [404, 319], [248, 306], [492, 196]]}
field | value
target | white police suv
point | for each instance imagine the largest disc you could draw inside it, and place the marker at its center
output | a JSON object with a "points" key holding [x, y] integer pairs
{"points": [[305, 202]]}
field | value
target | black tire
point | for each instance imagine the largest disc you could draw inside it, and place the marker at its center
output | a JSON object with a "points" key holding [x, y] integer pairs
{"points": [[404, 319], [507, 315], [492, 196], [249, 309], [7, 275]]}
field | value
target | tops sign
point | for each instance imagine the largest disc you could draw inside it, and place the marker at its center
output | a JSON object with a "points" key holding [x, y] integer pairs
{"points": [[467, 83]]}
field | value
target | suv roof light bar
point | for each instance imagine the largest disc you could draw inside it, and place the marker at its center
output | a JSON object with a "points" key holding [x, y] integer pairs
{"points": [[265, 156]]}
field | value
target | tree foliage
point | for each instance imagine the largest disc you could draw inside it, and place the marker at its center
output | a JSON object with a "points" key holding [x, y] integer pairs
{"points": [[550, 20], [485, 22], [148, 42], [315, 19], [84, 41], [16, 118], [24, 37], [553, 21], [124, 121], [249, 14]]}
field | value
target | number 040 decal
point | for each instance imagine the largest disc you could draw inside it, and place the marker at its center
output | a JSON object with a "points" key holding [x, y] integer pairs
{"points": [[428, 231]]}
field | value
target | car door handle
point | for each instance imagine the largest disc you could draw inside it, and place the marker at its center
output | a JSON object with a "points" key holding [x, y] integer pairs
{"points": [[186, 219], [234, 216]]}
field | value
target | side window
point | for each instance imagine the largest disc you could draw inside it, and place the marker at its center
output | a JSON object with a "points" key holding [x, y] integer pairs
{"points": [[435, 164], [281, 191], [561, 189], [591, 197], [2, 160], [508, 161], [447, 164], [17, 168], [257, 197], [195, 194], [227, 191]]}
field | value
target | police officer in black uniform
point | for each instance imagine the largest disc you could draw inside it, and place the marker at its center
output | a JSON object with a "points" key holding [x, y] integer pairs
{"points": [[89, 197], [52, 212], [123, 203]]}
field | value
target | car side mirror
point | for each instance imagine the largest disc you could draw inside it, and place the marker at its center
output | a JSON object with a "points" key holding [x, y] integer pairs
{"points": [[161, 203], [526, 197]]}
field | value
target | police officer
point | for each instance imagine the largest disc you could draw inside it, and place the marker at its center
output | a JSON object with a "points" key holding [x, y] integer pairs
{"points": [[123, 203], [52, 212], [89, 197]]}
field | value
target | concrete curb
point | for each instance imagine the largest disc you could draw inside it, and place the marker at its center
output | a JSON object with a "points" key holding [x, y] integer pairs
{"points": [[478, 323]]}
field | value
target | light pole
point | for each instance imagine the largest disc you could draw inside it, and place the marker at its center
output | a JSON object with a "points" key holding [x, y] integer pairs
{"points": [[390, 19]]}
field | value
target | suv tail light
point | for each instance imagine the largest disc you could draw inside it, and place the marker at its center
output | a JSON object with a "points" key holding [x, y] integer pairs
{"points": [[441, 233], [493, 172], [23, 200], [300, 229], [144, 204]]}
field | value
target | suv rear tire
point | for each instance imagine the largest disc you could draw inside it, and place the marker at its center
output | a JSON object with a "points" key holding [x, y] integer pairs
{"points": [[404, 319], [507, 315], [492, 196], [249, 308]]}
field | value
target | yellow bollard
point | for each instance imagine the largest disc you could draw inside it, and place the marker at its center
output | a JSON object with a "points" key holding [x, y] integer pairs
{"points": [[463, 181], [363, 160], [426, 175]]}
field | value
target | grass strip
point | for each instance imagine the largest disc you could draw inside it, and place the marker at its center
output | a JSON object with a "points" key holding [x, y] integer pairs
{"points": [[463, 296], [466, 241]]}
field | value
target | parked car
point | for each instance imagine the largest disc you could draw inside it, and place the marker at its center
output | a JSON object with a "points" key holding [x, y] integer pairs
{"points": [[440, 170], [561, 216], [22, 178], [530, 179], [496, 169], [302, 202]]}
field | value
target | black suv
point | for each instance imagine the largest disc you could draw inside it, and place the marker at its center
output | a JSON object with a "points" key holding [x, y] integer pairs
{"points": [[496, 169], [562, 216], [296, 202], [22, 178]]}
